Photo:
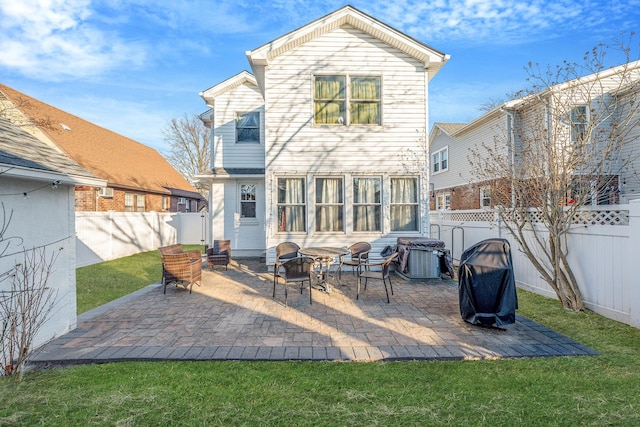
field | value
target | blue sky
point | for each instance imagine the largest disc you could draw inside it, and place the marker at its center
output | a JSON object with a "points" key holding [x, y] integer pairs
{"points": [[131, 66]]}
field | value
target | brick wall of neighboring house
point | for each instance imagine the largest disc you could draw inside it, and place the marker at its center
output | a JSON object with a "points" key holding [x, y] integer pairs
{"points": [[85, 199], [88, 199], [465, 197]]}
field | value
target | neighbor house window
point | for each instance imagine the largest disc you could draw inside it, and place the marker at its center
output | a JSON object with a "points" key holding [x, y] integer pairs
{"points": [[485, 197], [404, 204], [129, 202], [367, 204], [291, 205], [140, 203], [332, 100], [248, 127], [440, 160], [247, 200], [579, 121], [443, 201], [329, 205], [165, 203]]}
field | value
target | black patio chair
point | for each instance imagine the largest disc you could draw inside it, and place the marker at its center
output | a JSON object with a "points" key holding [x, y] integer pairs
{"points": [[382, 274], [297, 270]]}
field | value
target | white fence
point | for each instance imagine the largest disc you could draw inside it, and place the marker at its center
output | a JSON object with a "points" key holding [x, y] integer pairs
{"points": [[102, 236], [603, 249]]}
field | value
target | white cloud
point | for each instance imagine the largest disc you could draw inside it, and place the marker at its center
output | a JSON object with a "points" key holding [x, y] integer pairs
{"points": [[49, 40], [497, 21]]}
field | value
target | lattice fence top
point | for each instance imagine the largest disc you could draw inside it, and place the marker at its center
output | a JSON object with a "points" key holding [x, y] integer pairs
{"points": [[588, 216]]}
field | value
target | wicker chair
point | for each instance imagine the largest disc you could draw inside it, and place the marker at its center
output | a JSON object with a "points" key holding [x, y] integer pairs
{"points": [[284, 251], [297, 270], [181, 269], [219, 254], [358, 255], [383, 274]]}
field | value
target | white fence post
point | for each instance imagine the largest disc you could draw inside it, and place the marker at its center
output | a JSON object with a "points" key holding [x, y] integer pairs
{"points": [[630, 258]]}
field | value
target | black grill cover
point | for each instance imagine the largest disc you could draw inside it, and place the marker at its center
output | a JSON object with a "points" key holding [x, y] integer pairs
{"points": [[486, 284]]}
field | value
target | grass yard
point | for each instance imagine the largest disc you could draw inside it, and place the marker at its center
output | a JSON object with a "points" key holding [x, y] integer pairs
{"points": [[566, 391], [100, 283]]}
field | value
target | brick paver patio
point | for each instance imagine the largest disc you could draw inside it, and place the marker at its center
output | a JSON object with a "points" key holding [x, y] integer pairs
{"points": [[233, 316]]}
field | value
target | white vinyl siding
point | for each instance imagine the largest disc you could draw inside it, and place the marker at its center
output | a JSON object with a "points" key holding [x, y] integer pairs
{"points": [[458, 151], [226, 152], [294, 145], [292, 139]]}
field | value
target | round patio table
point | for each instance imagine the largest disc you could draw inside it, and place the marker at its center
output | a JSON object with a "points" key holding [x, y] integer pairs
{"points": [[324, 256]]}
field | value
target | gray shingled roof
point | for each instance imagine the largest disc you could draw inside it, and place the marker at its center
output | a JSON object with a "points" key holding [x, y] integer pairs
{"points": [[21, 149]]}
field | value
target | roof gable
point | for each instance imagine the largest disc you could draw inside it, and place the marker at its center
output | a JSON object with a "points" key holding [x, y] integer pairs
{"points": [[243, 78], [348, 15], [121, 161]]}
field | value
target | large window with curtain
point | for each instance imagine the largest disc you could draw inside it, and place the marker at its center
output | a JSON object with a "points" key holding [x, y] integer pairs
{"points": [[291, 205], [367, 204], [332, 100], [329, 205], [404, 204]]}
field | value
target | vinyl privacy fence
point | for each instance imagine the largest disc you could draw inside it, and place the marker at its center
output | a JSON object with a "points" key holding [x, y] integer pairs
{"points": [[604, 248], [103, 236]]}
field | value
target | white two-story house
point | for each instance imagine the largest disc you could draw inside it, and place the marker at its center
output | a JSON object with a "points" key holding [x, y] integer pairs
{"points": [[561, 114], [325, 142]]}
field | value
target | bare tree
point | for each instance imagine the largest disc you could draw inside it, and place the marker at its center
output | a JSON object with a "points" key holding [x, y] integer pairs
{"points": [[188, 139], [569, 138], [26, 300]]}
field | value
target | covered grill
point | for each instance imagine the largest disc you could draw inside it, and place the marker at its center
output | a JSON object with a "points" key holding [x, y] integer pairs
{"points": [[420, 257], [486, 284]]}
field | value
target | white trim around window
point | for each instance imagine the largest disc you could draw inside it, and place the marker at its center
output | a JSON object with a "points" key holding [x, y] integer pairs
{"points": [[247, 201], [440, 161]]}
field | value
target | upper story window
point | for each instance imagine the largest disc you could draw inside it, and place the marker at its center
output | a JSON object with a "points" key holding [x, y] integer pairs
{"points": [[579, 117], [248, 127], [292, 207], [404, 204], [247, 201], [440, 160], [329, 205], [165, 203], [367, 204], [335, 105]]}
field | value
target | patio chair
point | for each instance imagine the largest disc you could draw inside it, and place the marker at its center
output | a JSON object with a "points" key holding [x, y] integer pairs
{"points": [[181, 269], [284, 251], [297, 270], [382, 274], [174, 250], [358, 254], [219, 254]]}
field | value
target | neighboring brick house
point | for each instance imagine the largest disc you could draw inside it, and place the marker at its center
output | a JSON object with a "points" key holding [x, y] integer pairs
{"points": [[138, 178]]}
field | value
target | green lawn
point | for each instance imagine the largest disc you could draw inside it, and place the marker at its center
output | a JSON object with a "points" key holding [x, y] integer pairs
{"points": [[100, 283], [566, 391]]}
